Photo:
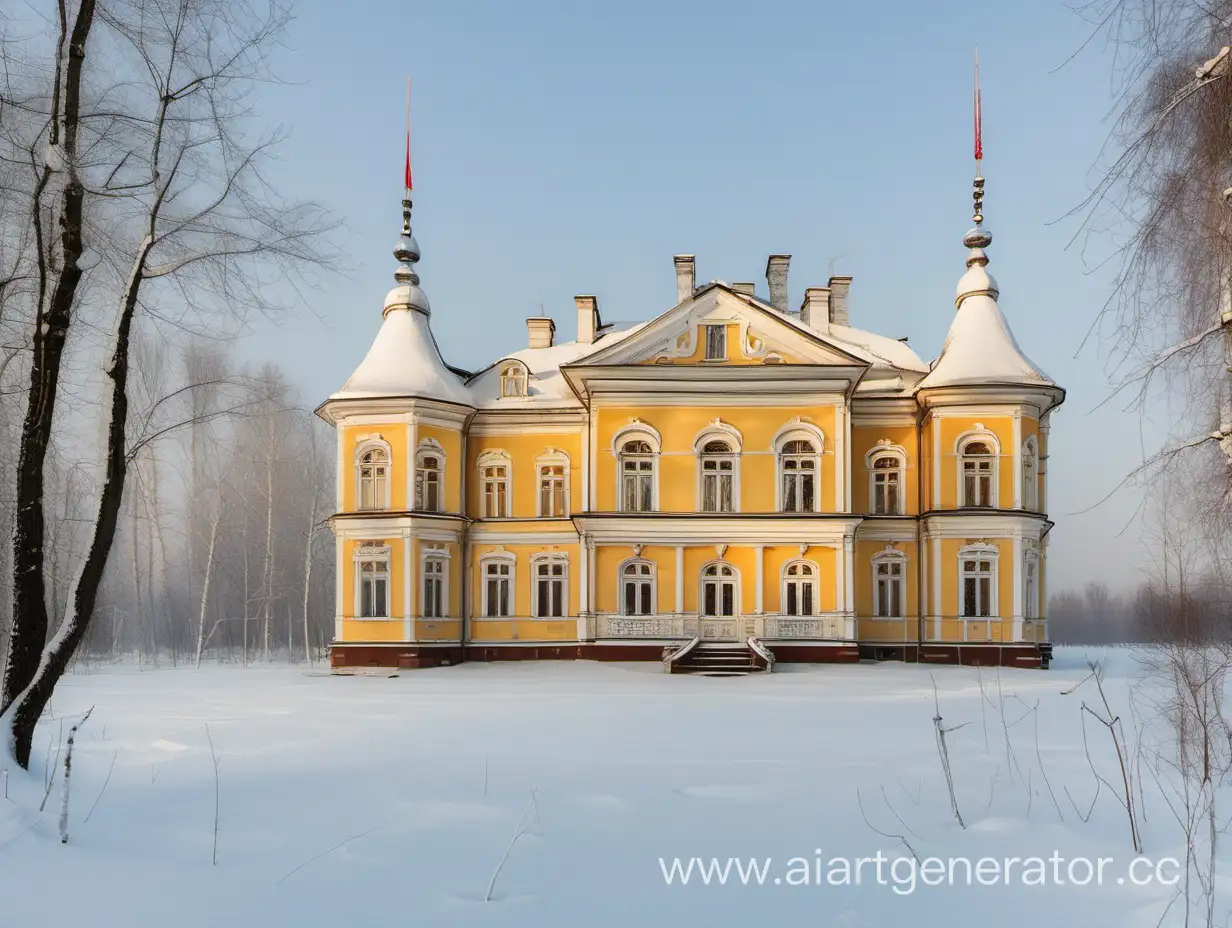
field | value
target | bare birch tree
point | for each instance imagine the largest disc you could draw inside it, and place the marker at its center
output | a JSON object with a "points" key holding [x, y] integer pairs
{"points": [[149, 203]]}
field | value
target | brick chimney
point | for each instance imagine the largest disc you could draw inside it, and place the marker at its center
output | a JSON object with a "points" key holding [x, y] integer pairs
{"points": [[815, 310], [539, 331], [776, 277], [748, 289], [839, 288], [588, 319], [686, 276]]}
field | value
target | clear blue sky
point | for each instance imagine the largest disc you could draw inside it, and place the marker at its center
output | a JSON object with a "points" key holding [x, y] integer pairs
{"points": [[564, 148]]}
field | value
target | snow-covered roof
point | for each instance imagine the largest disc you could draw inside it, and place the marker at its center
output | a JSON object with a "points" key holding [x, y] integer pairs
{"points": [[980, 348], [404, 361], [546, 386]]}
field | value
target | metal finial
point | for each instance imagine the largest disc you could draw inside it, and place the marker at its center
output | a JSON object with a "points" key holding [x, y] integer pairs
{"points": [[407, 249]]}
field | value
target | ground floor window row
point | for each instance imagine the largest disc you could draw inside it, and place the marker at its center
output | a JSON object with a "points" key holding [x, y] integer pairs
{"points": [[718, 590]]}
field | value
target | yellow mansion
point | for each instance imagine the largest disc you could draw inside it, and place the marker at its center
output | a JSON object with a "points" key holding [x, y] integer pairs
{"points": [[733, 473]]}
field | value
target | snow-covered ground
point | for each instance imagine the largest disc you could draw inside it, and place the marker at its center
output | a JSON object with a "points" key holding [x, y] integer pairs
{"points": [[430, 773]]}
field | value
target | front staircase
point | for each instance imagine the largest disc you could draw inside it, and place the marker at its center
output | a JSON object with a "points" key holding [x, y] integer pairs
{"points": [[720, 659]]}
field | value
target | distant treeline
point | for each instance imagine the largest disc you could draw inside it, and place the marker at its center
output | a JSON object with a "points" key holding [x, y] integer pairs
{"points": [[1198, 610]]}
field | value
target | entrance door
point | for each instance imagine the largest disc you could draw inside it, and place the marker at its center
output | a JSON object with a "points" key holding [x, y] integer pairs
{"points": [[717, 612]]}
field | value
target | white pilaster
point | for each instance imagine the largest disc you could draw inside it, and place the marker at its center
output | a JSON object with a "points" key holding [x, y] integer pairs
{"points": [[585, 467], [1042, 466], [1019, 590], [591, 577], [936, 426], [408, 621], [340, 566], [1016, 458], [410, 465], [679, 579], [761, 579], [584, 600], [936, 556], [849, 584], [846, 462], [340, 489]]}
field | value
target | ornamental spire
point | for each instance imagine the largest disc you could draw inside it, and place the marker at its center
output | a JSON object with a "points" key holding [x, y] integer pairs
{"points": [[407, 250], [978, 238]]}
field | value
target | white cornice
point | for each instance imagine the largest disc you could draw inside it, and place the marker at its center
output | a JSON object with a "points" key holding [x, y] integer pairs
{"points": [[674, 529]]}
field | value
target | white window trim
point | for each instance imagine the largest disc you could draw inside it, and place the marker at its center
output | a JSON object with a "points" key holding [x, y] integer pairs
{"points": [[882, 557], [719, 431], [363, 448], [1030, 451], [894, 451], [978, 434], [553, 457], [430, 446], [435, 554], [373, 553], [814, 580], [984, 552], [653, 580], [803, 431], [506, 365], [495, 457], [484, 561], [701, 589], [548, 558], [638, 431]]}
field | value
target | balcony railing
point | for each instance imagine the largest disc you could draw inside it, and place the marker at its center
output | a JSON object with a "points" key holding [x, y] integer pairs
{"points": [[832, 626]]}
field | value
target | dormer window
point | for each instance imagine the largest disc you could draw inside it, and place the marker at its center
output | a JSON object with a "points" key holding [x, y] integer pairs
{"points": [[513, 380], [716, 342]]}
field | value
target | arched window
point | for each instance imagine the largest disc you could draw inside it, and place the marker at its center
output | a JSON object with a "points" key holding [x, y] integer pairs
{"points": [[372, 471], [977, 581], [637, 587], [889, 585], [513, 380], [1030, 474], [717, 462], [495, 502], [551, 586], [886, 482], [637, 476], [718, 594], [429, 477], [497, 571], [978, 460], [799, 475], [372, 581], [435, 602], [800, 588]]}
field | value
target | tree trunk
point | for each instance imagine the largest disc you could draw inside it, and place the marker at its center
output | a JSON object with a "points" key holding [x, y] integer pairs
{"points": [[28, 634], [205, 582]]}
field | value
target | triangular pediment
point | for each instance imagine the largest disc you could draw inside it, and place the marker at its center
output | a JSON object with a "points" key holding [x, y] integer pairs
{"points": [[750, 334]]}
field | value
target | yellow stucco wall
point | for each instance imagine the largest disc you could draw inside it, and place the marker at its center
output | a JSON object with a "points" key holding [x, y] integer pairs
{"points": [[522, 575], [680, 426], [397, 576], [523, 451], [951, 429], [866, 438], [451, 441]]}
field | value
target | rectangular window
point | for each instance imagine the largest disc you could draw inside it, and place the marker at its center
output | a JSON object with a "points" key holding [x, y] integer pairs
{"points": [[977, 588], [799, 483], [800, 597], [637, 477], [550, 589], [717, 477], [977, 483], [496, 492], [638, 598], [885, 495], [374, 588], [889, 593], [433, 606], [552, 491], [498, 576], [716, 342]]}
